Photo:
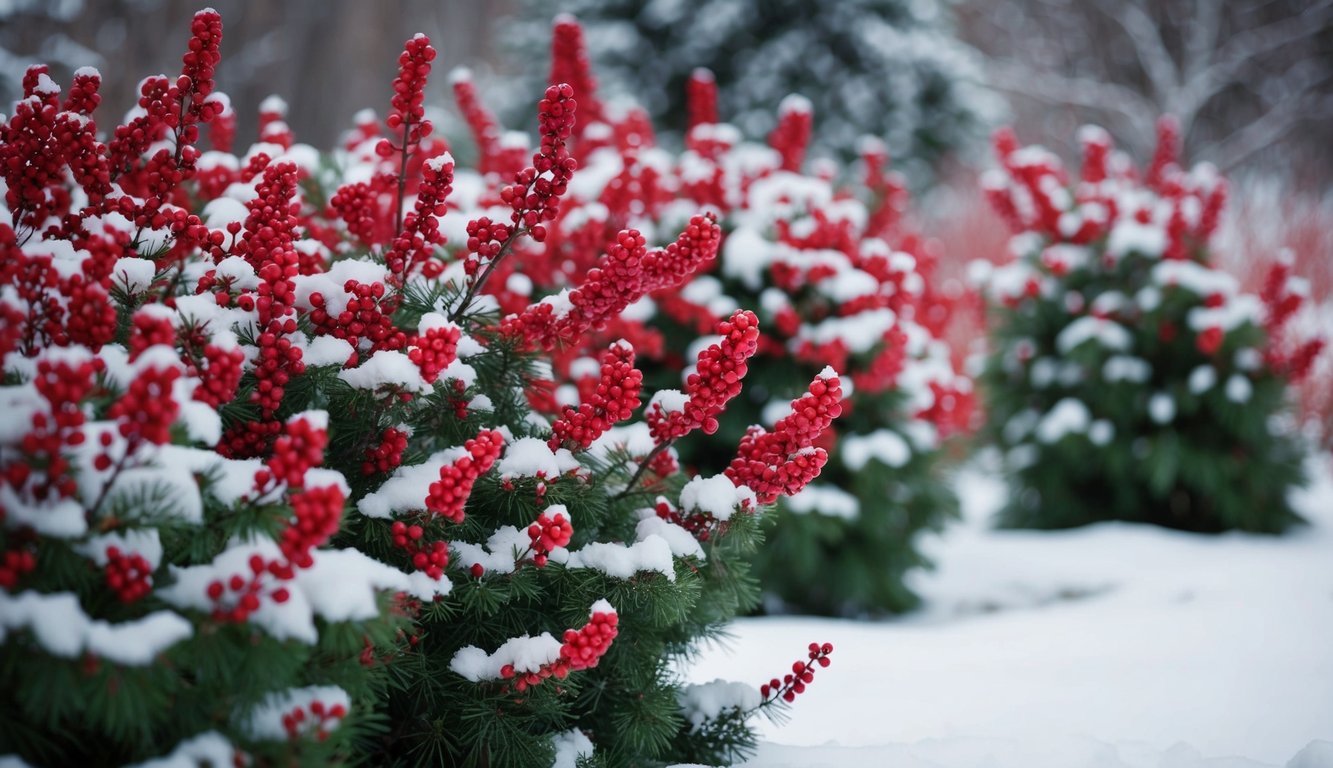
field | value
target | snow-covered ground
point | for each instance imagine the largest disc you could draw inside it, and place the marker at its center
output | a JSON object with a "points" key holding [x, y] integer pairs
{"points": [[1110, 646]]}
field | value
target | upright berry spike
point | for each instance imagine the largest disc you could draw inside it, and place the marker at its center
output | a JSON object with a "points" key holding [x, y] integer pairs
{"points": [[716, 379], [785, 460], [569, 64], [700, 99], [616, 397], [791, 137]]}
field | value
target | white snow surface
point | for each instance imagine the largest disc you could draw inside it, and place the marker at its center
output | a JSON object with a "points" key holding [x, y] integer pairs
{"points": [[62, 629], [620, 561], [264, 722], [825, 499], [1109, 646], [208, 748], [702, 702], [716, 495], [681, 541], [569, 747], [525, 653], [530, 457]]}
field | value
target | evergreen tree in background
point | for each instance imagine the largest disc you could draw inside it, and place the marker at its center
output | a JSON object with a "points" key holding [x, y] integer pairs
{"points": [[1129, 378], [884, 68]]}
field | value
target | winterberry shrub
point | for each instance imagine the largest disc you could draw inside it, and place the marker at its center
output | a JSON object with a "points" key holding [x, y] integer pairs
{"points": [[837, 275], [1129, 377], [293, 475], [157, 595]]}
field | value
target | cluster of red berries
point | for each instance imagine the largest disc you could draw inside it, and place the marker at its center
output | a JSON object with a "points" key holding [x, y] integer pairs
{"points": [[693, 252], [627, 273], [699, 524], [148, 329], [881, 373], [63, 385], [569, 64], [1040, 176], [550, 531], [606, 290], [581, 649], [802, 674], [616, 397], [435, 350], [791, 136], [196, 81], [14, 564], [278, 361], [175, 107], [266, 242], [267, 236], [1034, 198], [367, 316], [273, 128], [320, 722], [146, 410], [32, 157], [1293, 357], [75, 128], [244, 591], [420, 235], [387, 455], [448, 495], [361, 208], [785, 460], [584, 647], [316, 515], [485, 241], [248, 439], [700, 99], [716, 379], [430, 557], [481, 123], [951, 408], [535, 194], [218, 370], [128, 574], [889, 189], [407, 117], [38, 317]]}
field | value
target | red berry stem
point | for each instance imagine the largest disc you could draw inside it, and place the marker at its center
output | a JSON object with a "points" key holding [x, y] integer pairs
{"points": [[793, 683]]}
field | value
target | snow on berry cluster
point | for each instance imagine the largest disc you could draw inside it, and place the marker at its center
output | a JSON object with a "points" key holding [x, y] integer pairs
{"points": [[766, 258], [833, 279], [1115, 324], [273, 398]]}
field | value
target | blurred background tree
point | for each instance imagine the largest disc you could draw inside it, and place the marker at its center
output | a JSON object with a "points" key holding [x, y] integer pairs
{"points": [[886, 68], [1250, 82], [326, 58]]}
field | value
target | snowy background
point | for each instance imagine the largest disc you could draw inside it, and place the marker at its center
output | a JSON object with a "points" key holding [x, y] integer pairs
{"points": [[1109, 646]]}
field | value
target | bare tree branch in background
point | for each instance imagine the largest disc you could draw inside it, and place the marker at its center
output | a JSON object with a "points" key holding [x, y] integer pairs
{"points": [[1243, 78], [327, 58]]}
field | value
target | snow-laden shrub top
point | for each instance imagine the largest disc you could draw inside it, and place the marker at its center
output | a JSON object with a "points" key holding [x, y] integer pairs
{"points": [[886, 68], [1131, 377]]}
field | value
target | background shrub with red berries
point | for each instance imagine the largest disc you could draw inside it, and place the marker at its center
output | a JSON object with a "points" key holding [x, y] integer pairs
{"points": [[1130, 378]]}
